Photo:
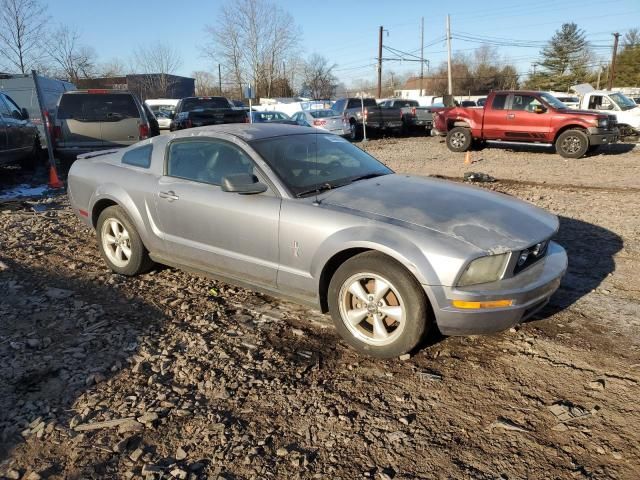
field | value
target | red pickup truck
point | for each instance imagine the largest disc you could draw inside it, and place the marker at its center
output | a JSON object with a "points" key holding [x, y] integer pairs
{"points": [[526, 117]]}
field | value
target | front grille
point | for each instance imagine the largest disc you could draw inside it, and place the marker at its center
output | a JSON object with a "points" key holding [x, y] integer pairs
{"points": [[531, 255], [612, 121]]}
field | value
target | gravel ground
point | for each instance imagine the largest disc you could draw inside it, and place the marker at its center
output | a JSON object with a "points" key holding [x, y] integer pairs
{"points": [[169, 375]]}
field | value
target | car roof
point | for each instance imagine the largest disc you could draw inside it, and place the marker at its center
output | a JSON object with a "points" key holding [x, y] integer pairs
{"points": [[97, 91], [251, 131]]}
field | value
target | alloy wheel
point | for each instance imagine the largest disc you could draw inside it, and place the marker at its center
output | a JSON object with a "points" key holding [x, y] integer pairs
{"points": [[116, 242]]}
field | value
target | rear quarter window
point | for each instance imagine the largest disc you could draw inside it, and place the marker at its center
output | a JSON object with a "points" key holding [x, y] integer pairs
{"points": [[138, 157], [499, 102]]}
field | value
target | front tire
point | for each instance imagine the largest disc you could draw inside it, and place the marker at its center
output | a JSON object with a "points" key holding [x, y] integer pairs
{"points": [[459, 139], [377, 306], [572, 144], [119, 243]]}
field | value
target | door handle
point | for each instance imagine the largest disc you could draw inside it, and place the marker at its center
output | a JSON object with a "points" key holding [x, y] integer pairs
{"points": [[170, 195], [511, 116]]}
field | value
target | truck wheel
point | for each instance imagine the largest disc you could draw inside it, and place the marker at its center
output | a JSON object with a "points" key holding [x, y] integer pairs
{"points": [[355, 132], [377, 306], [572, 144], [459, 139]]}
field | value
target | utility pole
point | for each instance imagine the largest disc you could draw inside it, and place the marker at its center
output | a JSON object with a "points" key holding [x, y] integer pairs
{"points": [[421, 53], [380, 63], [600, 68], [612, 74], [450, 80], [220, 79]]}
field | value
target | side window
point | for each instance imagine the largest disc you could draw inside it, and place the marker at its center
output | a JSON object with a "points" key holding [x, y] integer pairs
{"points": [[4, 110], [207, 161], [354, 103], [595, 102], [139, 157], [499, 102], [524, 102], [14, 110], [339, 106]]}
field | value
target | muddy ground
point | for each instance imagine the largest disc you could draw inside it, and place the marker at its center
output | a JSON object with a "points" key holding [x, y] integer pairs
{"points": [[169, 375]]}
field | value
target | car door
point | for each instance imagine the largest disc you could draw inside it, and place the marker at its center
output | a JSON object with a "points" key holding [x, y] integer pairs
{"points": [[18, 137], [5, 155], [120, 119], [527, 119], [202, 226], [494, 120]]}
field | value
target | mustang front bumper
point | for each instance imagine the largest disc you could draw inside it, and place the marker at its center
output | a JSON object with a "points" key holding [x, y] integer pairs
{"points": [[529, 291]]}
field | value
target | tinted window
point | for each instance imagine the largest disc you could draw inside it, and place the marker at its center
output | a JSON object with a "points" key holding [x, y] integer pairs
{"points": [[139, 157], [14, 110], [339, 106], [322, 113], [499, 102], [405, 103], [309, 161], [204, 103], [4, 110], [525, 102], [207, 161], [97, 107]]}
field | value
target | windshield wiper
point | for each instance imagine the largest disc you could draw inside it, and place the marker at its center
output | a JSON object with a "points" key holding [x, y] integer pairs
{"points": [[368, 175], [318, 189]]}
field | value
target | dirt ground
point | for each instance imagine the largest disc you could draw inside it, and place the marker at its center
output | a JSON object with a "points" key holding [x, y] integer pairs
{"points": [[169, 375]]}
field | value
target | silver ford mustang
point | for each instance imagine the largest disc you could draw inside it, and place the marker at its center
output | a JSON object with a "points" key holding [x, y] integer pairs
{"points": [[308, 216]]}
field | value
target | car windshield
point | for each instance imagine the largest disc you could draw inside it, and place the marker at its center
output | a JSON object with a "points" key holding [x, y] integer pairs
{"points": [[553, 101], [204, 103], [269, 116], [322, 113], [312, 162], [624, 102]]}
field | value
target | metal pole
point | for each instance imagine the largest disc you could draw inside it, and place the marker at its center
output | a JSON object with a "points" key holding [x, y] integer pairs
{"points": [[421, 53], [47, 133], [364, 119], [613, 61], [380, 63], [219, 79], [450, 80], [598, 82]]}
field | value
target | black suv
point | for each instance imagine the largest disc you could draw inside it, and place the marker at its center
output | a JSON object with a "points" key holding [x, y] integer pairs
{"points": [[19, 140]]}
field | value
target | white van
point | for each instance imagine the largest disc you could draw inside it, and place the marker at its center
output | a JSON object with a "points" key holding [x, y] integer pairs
{"points": [[163, 109]]}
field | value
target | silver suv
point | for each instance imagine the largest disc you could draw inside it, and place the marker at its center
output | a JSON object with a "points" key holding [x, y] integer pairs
{"points": [[90, 120]]}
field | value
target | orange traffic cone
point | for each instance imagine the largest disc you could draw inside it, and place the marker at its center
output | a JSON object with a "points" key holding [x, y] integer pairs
{"points": [[467, 158], [54, 181]]}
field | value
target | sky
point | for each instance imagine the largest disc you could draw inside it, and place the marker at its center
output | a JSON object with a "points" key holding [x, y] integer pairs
{"points": [[346, 32]]}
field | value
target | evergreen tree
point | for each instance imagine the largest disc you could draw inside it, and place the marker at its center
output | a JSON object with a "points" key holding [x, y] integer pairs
{"points": [[628, 61], [565, 60]]}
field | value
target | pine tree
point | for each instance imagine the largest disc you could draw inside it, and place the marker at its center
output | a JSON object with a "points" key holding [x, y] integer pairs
{"points": [[566, 60], [628, 61]]}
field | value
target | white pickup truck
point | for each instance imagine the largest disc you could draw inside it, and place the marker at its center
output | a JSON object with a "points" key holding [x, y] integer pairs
{"points": [[627, 112]]}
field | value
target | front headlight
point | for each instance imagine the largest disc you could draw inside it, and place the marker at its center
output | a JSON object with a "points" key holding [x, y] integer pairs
{"points": [[603, 123], [484, 269]]}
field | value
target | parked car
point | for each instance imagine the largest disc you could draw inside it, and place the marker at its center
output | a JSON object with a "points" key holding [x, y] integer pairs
{"points": [[19, 138], [481, 101], [571, 101], [325, 119], [202, 111], [413, 115], [89, 120], [307, 215], [271, 117], [625, 110], [163, 109], [467, 103], [355, 110], [154, 124], [22, 89], [526, 117]]}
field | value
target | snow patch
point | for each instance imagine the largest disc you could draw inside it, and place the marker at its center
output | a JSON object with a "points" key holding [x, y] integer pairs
{"points": [[23, 190]]}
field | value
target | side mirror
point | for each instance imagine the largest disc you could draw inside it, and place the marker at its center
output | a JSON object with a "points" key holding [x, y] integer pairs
{"points": [[243, 183], [25, 114]]}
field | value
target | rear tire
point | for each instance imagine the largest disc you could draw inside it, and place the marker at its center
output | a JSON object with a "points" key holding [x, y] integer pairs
{"points": [[119, 243], [459, 139], [572, 144], [388, 326], [355, 132]]}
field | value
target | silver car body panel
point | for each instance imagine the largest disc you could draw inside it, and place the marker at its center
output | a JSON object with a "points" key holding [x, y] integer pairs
{"points": [[281, 244]]}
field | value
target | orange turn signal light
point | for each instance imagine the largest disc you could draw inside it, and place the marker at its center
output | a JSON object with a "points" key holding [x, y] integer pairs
{"points": [[478, 305]]}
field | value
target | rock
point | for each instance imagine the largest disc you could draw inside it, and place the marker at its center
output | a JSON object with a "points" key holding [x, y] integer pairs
{"points": [[478, 177], [181, 454], [404, 357], [33, 476], [148, 418], [221, 394], [598, 384], [282, 452], [58, 293], [136, 454], [298, 332], [12, 474], [179, 473], [130, 426], [150, 469], [506, 424], [100, 425], [405, 420], [33, 343]]}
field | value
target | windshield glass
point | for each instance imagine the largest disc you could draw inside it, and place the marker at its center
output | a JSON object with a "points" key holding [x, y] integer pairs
{"points": [[553, 101], [322, 113], [624, 102], [269, 116], [309, 162], [204, 103]]}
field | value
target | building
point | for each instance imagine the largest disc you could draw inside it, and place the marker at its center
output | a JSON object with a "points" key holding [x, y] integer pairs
{"points": [[152, 85]]}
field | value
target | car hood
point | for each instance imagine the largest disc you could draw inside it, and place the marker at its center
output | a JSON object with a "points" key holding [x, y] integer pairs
{"points": [[490, 221]]}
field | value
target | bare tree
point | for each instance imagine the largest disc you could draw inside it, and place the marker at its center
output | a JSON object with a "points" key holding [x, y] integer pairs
{"points": [[112, 68], [253, 39], [73, 59], [22, 25], [318, 79], [156, 64], [206, 84]]}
